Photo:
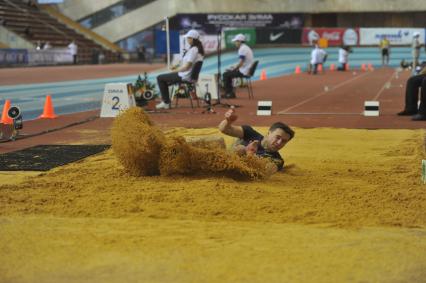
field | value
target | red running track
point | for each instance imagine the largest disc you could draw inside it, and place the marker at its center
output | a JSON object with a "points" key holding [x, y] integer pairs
{"points": [[332, 99]]}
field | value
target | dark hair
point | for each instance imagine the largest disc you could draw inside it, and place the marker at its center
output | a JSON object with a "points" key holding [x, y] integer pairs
{"points": [[199, 45], [282, 126]]}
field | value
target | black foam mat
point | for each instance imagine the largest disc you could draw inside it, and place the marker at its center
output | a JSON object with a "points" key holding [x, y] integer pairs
{"points": [[46, 157]]}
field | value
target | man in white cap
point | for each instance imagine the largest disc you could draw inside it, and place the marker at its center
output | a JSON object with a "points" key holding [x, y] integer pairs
{"points": [[182, 73], [415, 46], [242, 68]]}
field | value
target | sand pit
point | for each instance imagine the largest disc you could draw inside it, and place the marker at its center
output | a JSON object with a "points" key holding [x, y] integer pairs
{"points": [[349, 207]]}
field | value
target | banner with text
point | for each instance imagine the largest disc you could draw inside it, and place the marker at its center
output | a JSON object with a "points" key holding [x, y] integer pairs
{"points": [[50, 57], [396, 36], [213, 23], [10, 56], [283, 36], [334, 36]]}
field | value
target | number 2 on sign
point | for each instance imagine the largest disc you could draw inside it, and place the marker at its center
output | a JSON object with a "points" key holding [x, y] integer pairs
{"points": [[116, 101]]}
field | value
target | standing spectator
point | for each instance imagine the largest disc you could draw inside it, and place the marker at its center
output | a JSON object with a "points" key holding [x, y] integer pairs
{"points": [[47, 46], [95, 55], [141, 53], [73, 48], [27, 31], [38, 47], [101, 57], [242, 68], [318, 56], [344, 57], [415, 46], [384, 47]]}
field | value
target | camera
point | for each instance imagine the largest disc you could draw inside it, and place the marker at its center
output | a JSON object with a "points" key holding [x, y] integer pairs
{"points": [[15, 113]]}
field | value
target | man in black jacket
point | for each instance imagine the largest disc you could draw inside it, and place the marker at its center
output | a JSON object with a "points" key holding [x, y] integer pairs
{"points": [[412, 96]]}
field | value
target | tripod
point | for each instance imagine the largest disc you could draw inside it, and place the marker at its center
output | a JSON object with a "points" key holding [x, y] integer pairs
{"points": [[219, 75]]}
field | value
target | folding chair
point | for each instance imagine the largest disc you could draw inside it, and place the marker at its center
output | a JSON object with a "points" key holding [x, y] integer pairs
{"points": [[248, 78], [187, 89]]}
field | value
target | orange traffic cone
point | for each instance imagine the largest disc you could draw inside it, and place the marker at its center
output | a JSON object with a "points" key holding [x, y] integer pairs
{"points": [[363, 67], [297, 70], [319, 68], [5, 119], [48, 111], [332, 67], [263, 75], [370, 67]]}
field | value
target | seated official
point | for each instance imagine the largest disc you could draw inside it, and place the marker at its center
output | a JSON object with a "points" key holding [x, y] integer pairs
{"points": [[183, 73], [245, 55]]}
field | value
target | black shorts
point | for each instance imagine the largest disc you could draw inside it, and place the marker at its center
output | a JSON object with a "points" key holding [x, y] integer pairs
{"points": [[385, 52]]}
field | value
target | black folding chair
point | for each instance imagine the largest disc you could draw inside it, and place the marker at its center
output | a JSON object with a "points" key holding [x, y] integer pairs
{"points": [[248, 78], [187, 89]]}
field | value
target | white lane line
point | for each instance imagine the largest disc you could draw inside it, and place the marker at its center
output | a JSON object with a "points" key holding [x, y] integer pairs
{"points": [[317, 113], [387, 84], [322, 93]]}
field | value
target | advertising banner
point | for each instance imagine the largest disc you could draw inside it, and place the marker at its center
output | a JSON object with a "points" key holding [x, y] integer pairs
{"points": [[334, 36], [250, 35], [161, 42], [214, 23], [396, 36], [50, 57], [273, 35], [209, 43], [10, 56], [50, 1]]}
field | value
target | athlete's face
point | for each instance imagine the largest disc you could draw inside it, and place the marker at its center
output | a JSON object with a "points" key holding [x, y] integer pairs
{"points": [[276, 140]]}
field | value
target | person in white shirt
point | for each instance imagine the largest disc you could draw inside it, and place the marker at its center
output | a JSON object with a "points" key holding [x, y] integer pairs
{"points": [[182, 73], [318, 56], [344, 57], [415, 46], [38, 47], [73, 48], [47, 46], [241, 69]]}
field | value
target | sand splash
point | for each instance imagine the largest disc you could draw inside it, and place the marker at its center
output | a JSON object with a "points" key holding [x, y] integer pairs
{"points": [[144, 150]]}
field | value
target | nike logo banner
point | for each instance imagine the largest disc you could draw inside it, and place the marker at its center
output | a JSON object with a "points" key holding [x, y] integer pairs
{"points": [[273, 35]]}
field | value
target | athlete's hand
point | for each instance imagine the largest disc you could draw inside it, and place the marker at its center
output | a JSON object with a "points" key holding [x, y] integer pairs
{"points": [[251, 148], [230, 115]]}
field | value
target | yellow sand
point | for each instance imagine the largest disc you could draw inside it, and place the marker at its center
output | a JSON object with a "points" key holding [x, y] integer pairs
{"points": [[349, 207]]}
